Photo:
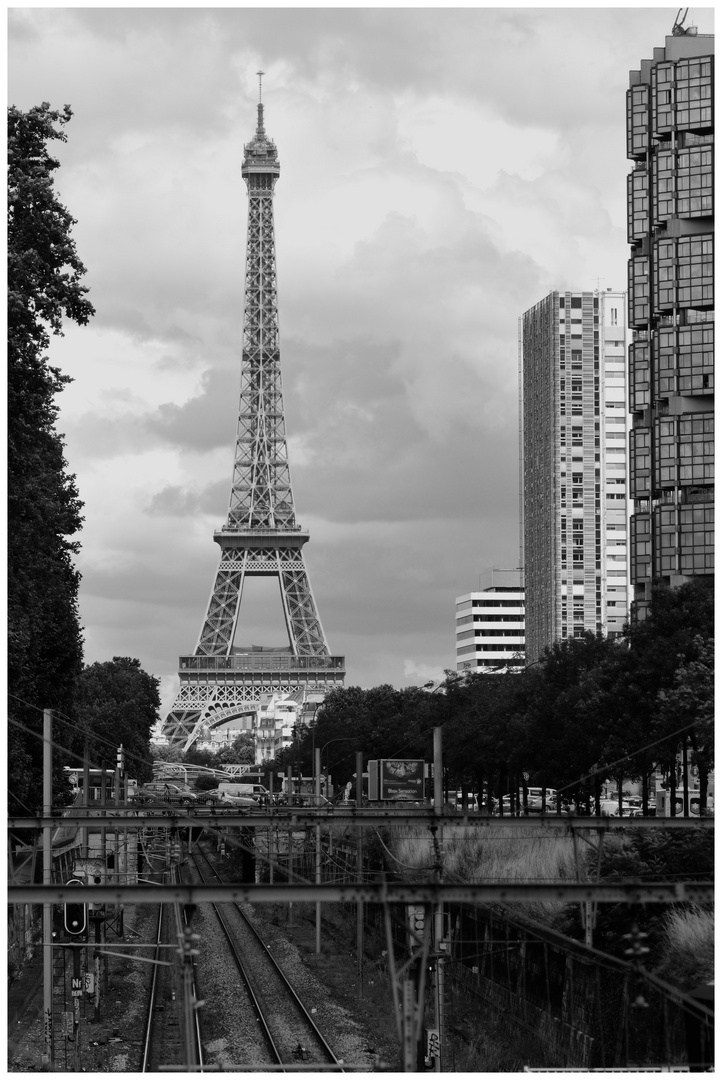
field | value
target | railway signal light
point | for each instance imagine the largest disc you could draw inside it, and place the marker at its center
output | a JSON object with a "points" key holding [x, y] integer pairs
{"points": [[416, 914], [75, 917]]}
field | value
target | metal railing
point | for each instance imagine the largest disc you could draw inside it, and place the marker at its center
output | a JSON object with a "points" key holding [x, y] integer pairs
{"points": [[258, 661]]}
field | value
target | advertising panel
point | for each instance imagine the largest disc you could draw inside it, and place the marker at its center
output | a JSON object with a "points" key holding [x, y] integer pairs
{"points": [[402, 780]]}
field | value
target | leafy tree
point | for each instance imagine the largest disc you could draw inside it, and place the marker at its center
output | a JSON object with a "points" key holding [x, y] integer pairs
{"points": [[118, 702], [381, 722], [635, 681], [690, 701], [198, 755], [169, 752], [565, 739], [240, 752], [44, 509]]}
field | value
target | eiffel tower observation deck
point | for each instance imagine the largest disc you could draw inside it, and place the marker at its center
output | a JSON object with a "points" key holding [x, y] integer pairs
{"points": [[223, 681]]}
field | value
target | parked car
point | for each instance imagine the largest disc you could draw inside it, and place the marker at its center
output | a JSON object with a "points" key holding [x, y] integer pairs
{"points": [[161, 792], [210, 798]]}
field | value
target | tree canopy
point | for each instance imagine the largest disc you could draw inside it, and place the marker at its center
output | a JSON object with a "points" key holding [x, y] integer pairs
{"points": [[117, 703], [592, 707], [44, 507]]}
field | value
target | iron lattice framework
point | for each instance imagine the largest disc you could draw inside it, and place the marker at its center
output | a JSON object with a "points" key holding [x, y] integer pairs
{"points": [[220, 682]]}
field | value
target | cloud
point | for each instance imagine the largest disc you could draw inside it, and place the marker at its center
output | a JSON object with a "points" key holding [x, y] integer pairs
{"points": [[176, 501], [441, 171], [203, 422]]}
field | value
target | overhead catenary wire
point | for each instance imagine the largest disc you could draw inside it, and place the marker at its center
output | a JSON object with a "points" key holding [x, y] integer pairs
{"points": [[129, 755]]}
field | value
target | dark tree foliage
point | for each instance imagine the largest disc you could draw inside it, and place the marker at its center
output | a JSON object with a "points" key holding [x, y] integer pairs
{"points": [[645, 857], [206, 782], [565, 739], [44, 510], [592, 707], [381, 722], [117, 702], [240, 752], [196, 755], [633, 684]]}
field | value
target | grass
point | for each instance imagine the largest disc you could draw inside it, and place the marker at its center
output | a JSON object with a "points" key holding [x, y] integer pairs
{"points": [[498, 855], [492, 855], [688, 947]]}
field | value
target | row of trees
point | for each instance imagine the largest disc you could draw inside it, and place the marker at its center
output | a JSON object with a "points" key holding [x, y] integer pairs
{"points": [[591, 707], [103, 704]]}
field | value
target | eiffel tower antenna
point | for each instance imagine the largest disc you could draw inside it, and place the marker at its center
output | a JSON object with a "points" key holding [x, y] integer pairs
{"points": [[220, 681]]}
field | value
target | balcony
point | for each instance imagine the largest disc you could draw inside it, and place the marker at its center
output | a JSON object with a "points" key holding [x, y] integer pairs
{"points": [[262, 662]]}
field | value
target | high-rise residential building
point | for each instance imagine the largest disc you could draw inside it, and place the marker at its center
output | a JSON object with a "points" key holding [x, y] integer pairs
{"points": [[490, 624], [670, 193], [574, 465]]}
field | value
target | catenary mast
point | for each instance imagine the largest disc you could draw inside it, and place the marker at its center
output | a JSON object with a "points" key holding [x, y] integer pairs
{"points": [[223, 681]]}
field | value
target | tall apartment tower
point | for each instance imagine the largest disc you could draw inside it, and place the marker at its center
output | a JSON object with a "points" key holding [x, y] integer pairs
{"points": [[670, 213], [574, 458], [490, 624], [226, 679]]}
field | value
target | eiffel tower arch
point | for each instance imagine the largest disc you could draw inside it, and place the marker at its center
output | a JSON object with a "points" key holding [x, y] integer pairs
{"points": [[222, 681]]}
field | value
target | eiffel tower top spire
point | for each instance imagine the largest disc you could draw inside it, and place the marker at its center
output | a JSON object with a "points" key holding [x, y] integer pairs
{"points": [[260, 153], [260, 130]]}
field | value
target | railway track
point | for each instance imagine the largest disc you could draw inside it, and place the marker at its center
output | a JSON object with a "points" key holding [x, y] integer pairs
{"points": [[172, 1035], [287, 1034]]}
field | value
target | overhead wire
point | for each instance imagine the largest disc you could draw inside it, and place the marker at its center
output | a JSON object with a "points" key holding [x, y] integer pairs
{"points": [[129, 755]]}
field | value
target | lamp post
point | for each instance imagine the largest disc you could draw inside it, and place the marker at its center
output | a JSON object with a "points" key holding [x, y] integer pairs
{"points": [[313, 738]]}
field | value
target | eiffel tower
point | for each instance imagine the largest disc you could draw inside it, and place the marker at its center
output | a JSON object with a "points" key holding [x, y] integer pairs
{"points": [[222, 681]]}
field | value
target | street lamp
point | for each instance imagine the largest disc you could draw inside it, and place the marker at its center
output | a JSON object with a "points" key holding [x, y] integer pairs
{"points": [[313, 739]]}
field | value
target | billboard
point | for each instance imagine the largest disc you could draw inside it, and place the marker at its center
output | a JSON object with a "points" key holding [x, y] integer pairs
{"points": [[401, 780]]}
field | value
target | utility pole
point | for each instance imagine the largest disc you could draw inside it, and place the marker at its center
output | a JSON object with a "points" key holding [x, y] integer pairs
{"points": [[438, 912], [104, 861], [48, 1057], [317, 788], [121, 838], [86, 798], [359, 874], [289, 786]]}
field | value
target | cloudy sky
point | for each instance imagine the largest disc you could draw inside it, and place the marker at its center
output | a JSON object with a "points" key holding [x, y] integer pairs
{"points": [[441, 171]]}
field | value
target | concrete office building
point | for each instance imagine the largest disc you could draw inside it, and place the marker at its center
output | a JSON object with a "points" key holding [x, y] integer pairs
{"points": [[574, 465], [490, 624], [670, 125]]}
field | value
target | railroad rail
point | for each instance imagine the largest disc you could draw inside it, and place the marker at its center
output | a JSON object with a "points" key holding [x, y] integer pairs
{"points": [[172, 1035], [290, 1034]]}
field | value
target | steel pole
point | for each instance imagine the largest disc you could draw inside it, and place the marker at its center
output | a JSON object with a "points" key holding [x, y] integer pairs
{"points": [[85, 799], [439, 908], [48, 1057], [359, 875], [104, 862], [317, 786], [291, 802]]}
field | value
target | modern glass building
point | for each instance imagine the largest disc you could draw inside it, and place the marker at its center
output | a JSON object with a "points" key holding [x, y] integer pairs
{"points": [[574, 465], [490, 624], [670, 198]]}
